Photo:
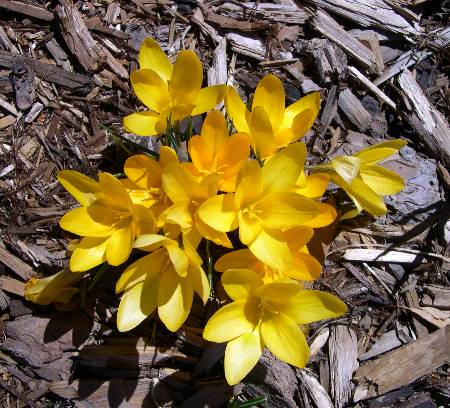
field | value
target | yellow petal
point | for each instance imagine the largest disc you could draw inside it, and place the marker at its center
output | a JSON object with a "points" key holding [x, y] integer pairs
{"points": [[136, 305], [231, 321], [249, 228], [380, 151], [309, 306], [272, 251], [201, 153], [249, 184], [167, 155], [285, 340], [327, 214], [241, 355], [144, 268], [269, 95], [143, 171], [285, 210], [262, 134], [78, 221], [144, 220], [240, 259], [282, 170], [82, 188], [114, 191], [181, 213], [237, 111], [219, 212], [120, 245], [218, 237], [186, 79], [89, 253], [151, 56], [309, 102], [347, 167], [298, 237], [214, 131], [178, 182], [240, 283], [208, 98], [150, 89], [234, 152], [382, 181], [304, 267], [315, 185], [199, 280], [174, 299], [302, 123], [178, 259], [150, 242], [145, 123]]}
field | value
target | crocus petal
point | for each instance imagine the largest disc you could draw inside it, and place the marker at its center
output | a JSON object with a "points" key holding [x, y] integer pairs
{"points": [[208, 98], [240, 283], [286, 210], [78, 221], [298, 237], [186, 79], [381, 180], [167, 155], [120, 245], [282, 170], [347, 167], [234, 151], [315, 185], [143, 171], [269, 95], [174, 299], [241, 355], [302, 123], [308, 102], [219, 212], [271, 251], [136, 305], [82, 188], [201, 153], [249, 184], [249, 228], [304, 267], [144, 123], [178, 258], [215, 131], [88, 254], [178, 182], [309, 306], [150, 89], [285, 340], [144, 268], [380, 151], [199, 280], [237, 111], [114, 191], [150, 242], [151, 56], [327, 214], [262, 134], [231, 321], [181, 213], [240, 259], [218, 237]]}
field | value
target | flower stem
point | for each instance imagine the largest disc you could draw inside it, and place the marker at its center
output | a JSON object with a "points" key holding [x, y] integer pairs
{"points": [[209, 266]]}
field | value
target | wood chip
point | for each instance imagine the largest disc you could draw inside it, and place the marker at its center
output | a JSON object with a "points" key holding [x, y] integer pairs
{"points": [[316, 391], [12, 285], [16, 265], [378, 255], [403, 365], [27, 9]]}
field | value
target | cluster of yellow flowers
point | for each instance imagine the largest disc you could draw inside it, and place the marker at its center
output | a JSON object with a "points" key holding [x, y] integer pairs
{"points": [[253, 181]]}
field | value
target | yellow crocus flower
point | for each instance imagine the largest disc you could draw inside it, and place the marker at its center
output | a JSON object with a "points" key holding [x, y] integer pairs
{"points": [[165, 279], [304, 266], [107, 220], [168, 90], [364, 180], [55, 288], [263, 206], [266, 315], [214, 152], [269, 125]]}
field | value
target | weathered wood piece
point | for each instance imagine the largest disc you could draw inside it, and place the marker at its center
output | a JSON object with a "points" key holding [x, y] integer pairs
{"points": [[329, 28], [378, 255], [436, 296], [251, 47], [47, 72], [369, 13], [354, 110], [23, 82], [16, 265], [315, 390], [218, 72], [12, 285], [95, 24], [343, 355], [388, 341], [371, 87], [403, 365], [77, 36], [27, 9], [58, 54], [426, 119]]}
